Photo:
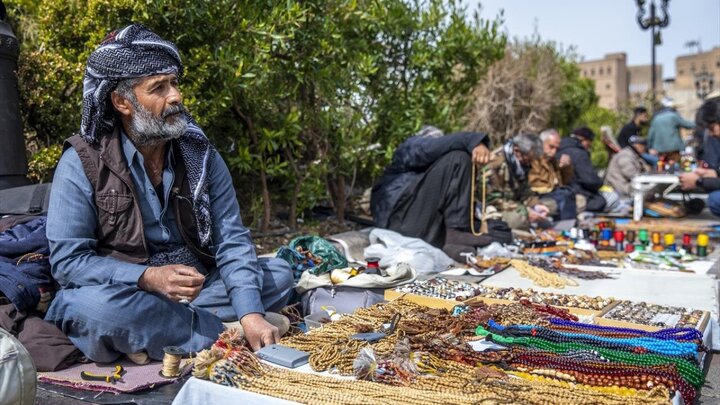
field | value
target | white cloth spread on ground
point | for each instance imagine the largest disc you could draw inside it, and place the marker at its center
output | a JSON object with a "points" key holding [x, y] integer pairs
{"points": [[393, 248]]}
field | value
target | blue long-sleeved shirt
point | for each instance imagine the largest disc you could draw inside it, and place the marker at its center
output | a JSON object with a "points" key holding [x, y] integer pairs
{"points": [[72, 221]]}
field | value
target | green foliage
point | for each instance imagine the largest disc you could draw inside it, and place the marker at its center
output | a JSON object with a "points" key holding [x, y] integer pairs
{"points": [[42, 164], [577, 96], [293, 93], [595, 118]]}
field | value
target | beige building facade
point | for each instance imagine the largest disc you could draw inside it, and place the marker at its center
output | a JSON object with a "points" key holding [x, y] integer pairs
{"points": [[700, 71], [640, 83], [620, 86], [611, 79]]}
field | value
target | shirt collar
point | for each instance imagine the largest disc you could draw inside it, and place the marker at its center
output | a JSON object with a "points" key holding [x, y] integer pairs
{"points": [[129, 148], [131, 153]]}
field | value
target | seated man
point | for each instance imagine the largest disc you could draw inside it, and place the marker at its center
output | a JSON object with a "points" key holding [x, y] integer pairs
{"points": [[509, 192], [425, 192], [145, 233], [707, 180], [634, 127], [548, 178], [585, 181], [623, 167]]}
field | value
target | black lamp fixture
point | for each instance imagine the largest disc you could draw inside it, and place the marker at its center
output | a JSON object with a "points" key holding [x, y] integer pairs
{"points": [[655, 21], [704, 84]]}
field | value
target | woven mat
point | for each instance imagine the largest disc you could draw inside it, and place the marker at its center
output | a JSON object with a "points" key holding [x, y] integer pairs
{"points": [[135, 379]]}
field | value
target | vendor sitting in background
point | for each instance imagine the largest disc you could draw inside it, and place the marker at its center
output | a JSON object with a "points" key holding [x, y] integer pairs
{"points": [[623, 167], [509, 192], [585, 182], [425, 192], [548, 178], [707, 179]]}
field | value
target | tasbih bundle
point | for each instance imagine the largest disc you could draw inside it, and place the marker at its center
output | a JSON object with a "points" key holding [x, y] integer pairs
{"points": [[556, 266], [604, 356], [230, 363], [541, 277]]}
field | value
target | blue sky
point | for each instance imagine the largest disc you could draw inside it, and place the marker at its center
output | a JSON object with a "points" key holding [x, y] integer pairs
{"points": [[598, 27]]}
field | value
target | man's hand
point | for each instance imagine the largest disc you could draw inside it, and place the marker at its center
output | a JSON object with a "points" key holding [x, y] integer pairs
{"points": [[706, 173], [538, 213], [258, 331], [688, 181], [564, 161], [174, 281], [653, 152], [481, 155]]}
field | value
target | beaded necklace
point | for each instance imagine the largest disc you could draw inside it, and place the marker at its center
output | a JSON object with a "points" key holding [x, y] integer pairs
{"points": [[679, 334], [689, 371], [638, 345]]}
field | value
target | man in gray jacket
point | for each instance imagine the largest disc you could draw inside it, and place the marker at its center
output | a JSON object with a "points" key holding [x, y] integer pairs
{"points": [[625, 165]]}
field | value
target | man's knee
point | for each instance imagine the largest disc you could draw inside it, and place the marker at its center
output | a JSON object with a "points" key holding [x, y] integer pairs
{"points": [[460, 157], [280, 272], [714, 202]]}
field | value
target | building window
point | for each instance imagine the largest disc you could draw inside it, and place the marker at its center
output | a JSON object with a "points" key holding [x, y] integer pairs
{"points": [[607, 86], [609, 70], [592, 72], [682, 72], [600, 71]]}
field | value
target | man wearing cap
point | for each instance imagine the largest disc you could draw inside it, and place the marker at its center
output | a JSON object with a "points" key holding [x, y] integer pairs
{"points": [[625, 165], [664, 134], [585, 180], [145, 233]]}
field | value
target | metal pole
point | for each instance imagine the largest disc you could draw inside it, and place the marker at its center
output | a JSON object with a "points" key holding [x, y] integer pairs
{"points": [[652, 39], [13, 163]]}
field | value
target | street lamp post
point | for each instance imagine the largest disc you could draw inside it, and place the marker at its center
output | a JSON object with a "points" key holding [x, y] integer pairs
{"points": [[654, 22]]}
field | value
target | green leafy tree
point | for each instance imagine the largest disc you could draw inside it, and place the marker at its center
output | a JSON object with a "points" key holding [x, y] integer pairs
{"points": [[295, 94]]}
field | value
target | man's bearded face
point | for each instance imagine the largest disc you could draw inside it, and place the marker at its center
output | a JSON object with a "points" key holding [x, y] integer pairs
{"points": [[148, 129]]}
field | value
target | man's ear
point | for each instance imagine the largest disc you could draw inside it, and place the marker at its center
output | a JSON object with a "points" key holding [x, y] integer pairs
{"points": [[121, 104]]}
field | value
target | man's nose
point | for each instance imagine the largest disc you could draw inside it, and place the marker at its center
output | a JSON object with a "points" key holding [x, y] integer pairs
{"points": [[174, 96]]}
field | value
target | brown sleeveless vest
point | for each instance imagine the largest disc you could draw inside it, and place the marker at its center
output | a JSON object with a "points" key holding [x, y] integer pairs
{"points": [[120, 232]]}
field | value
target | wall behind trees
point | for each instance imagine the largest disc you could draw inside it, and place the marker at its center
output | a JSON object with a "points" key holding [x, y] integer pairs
{"points": [[293, 93]]}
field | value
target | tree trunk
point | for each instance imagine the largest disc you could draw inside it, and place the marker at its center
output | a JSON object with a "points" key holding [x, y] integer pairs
{"points": [[265, 226], [265, 192], [340, 199], [292, 221]]}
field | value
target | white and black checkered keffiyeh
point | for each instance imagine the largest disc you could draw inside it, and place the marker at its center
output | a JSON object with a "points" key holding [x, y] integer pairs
{"points": [[131, 52]]}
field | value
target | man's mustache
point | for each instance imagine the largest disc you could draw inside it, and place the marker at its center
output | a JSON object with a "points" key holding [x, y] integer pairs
{"points": [[173, 109]]}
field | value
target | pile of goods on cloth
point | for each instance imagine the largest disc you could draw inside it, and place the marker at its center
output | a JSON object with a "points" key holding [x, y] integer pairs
{"points": [[541, 355]]}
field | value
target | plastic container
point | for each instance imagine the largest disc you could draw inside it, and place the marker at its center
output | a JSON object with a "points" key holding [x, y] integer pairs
{"points": [[312, 321]]}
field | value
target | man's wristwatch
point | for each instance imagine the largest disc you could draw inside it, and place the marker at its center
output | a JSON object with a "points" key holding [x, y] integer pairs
{"points": [[699, 182]]}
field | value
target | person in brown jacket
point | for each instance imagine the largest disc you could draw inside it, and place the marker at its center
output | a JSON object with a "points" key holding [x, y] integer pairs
{"points": [[549, 176]]}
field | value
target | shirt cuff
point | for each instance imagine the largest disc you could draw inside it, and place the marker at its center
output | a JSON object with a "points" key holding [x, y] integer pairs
{"points": [[247, 302], [128, 273]]}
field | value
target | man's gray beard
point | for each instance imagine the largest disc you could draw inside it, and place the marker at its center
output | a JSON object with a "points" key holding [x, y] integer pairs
{"points": [[147, 129]]}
